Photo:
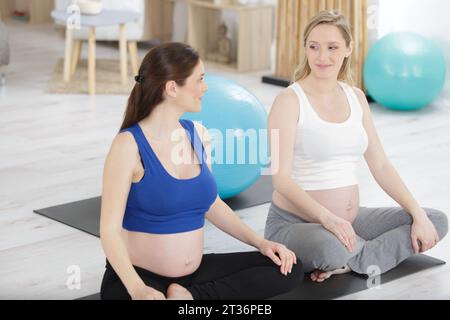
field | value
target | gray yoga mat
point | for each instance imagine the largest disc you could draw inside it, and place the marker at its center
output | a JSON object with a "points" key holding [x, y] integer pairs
{"points": [[346, 284], [84, 215]]}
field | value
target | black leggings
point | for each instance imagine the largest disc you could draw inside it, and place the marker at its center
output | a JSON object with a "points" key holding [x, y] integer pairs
{"points": [[234, 276]]}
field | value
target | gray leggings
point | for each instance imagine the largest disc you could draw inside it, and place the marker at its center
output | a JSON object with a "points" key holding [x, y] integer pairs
{"points": [[383, 239]]}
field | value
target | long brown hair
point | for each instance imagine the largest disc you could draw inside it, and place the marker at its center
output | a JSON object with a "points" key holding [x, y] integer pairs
{"points": [[336, 19], [167, 62]]}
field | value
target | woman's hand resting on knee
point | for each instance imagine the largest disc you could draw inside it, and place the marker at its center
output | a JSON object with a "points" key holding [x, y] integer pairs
{"points": [[279, 254], [423, 230], [144, 292], [342, 229]]}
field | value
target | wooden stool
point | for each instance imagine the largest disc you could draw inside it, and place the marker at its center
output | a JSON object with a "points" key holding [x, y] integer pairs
{"points": [[105, 18]]}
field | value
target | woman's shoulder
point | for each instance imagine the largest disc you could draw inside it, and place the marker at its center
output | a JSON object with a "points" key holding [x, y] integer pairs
{"points": [[124, 144], [288, 93], [123, 154], [286, 100], [359, 93]]}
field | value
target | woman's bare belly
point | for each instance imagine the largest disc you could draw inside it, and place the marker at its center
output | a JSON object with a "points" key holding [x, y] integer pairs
{"points": [[343, 202], [170, 255]]}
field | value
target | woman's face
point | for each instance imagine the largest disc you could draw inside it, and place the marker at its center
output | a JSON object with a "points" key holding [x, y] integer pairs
{"points": [[189, 96], [326, 50]]}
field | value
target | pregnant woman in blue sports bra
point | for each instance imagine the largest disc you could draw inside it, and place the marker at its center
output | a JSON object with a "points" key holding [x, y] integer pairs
{"points": [[155, 199]]}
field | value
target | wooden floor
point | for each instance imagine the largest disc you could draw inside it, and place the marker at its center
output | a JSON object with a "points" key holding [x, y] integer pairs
{"points": [[52, 149]]}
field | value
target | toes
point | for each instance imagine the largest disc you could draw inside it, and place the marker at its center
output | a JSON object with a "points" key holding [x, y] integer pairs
{"points": [[315, 275], [320, 276], [325, 275], [169, 290], [173, 289]]}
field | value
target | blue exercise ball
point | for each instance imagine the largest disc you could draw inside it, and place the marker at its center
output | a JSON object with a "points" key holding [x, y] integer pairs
{"points": [[234, 118], [404, 71]]}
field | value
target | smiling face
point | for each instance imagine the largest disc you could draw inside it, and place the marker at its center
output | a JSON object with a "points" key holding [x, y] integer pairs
{"points": [[189, 96], [326, 50]]}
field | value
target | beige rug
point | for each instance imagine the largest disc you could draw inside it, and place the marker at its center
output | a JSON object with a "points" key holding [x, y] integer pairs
{"points": [[107, 78]]}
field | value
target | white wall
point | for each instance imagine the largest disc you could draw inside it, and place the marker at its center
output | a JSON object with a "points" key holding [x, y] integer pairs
{"points": [[428, 18]]}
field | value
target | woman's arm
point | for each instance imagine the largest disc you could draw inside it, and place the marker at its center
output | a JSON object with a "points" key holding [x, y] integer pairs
{"points": [[224, 218], [283, 118], [423, 233], [117, 179], [220, 214], [381, 167]]}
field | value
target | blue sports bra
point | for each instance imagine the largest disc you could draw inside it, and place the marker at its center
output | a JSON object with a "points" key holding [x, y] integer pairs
{"points": [[163, 204]]}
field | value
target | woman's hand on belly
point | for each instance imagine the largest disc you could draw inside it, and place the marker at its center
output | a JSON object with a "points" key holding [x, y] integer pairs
{"points": [[342, 205], [342, 229], [170, 255]]}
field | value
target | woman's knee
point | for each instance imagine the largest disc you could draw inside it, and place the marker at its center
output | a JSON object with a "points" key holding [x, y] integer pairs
{"points": [[331, 255], [323, 253], [275, 229], [316, 247], [439, 220]]}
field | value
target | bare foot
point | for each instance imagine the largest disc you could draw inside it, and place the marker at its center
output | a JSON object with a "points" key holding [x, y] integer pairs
{"points": [[320, 276], [177, 292]]}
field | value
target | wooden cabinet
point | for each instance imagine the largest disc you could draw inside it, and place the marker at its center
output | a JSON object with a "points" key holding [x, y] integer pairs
{"points": [[254, 32], [158, 20]]}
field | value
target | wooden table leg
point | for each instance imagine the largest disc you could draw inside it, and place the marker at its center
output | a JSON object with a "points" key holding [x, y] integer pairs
{"points": [[91, 60], [76, 56], [132, 48], [68, 53], [123, 54]]}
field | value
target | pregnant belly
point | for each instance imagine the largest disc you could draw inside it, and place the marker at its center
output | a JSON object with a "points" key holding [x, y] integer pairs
{"points": [[170, 255], [343, 202]]}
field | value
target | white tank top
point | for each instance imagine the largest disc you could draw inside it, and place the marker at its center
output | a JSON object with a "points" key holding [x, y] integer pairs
{"points": [[326, 153]]}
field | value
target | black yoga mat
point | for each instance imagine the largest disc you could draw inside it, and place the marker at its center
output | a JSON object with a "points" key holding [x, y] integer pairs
{"points": [[84, 215], [349, 283], [345, 284]]}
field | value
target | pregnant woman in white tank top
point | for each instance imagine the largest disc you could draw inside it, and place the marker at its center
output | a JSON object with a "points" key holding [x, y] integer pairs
{"points": [[325, 127]]}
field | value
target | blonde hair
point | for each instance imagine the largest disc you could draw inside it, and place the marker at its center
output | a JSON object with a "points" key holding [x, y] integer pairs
{"points": [[333, 18]]}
